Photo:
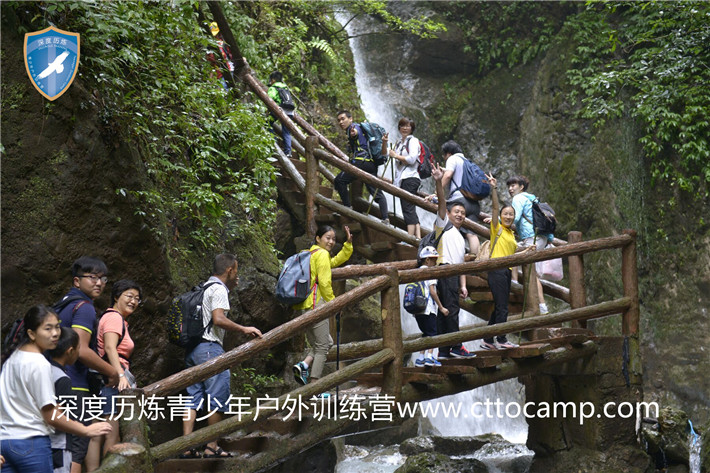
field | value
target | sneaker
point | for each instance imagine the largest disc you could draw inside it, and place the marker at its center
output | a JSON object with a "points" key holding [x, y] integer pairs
{"points": [[431, 362], [488, 346], [507, 344], [322, 396], [386, 221], [543, 309], [300, 372], [461, 352], [421, 362]]}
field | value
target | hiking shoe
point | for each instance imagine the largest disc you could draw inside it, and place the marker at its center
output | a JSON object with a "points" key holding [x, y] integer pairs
{"points": [[431, 362], [420, 363], [488, 346], [322, 396], [461, 352], [300, 372], [507, 344]]}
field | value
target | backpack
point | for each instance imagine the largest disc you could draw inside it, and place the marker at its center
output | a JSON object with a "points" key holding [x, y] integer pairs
{"points": [[430, 239], [294, 283], [414, 301], [373, 133], [185, 325], [543, 221], [286, 101], [473, 185], [426, 160]]}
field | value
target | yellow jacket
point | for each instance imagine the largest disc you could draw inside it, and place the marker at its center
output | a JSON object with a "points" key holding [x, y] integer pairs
{"points": [[321, 263]]}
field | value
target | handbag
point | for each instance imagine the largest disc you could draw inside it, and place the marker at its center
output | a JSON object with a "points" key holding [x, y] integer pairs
{"points": [[550, 270]]}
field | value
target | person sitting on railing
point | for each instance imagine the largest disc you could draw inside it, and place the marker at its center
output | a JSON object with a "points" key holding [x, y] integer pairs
{"points": [[360, 158], [522, 203], [427, 319], [406, 156], [452, 250], [499, 280], [212, 394], [318, 335], [452, 180]]}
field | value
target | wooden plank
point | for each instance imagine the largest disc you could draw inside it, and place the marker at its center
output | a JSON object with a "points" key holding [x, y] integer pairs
{"points": [[526, 351], [381, 245], [423, 378], [481, 360]]}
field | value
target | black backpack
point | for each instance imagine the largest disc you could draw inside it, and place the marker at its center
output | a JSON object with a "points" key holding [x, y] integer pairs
{"points": [[426, 160], [373, 134], [430, 239], [286, 101], [185, 326], [543, 221]]}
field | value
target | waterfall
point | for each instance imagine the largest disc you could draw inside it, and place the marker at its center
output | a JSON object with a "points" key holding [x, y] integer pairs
{"points": [[380, 104], [695, 443]]}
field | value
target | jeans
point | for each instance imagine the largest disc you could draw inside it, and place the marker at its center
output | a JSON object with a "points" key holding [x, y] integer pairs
{"points": [[286, 136], [24, 455], [214, 390]]}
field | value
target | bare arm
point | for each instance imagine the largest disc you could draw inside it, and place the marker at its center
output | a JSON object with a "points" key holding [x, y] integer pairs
{"points": [[446, 180], [435, 296], [437, 173], [58, 419], [92, 360], [495, 208], [219, 319], [111, 348]]}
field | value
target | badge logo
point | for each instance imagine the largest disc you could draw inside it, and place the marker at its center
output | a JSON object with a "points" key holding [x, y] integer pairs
{"points": [[51, 60]]}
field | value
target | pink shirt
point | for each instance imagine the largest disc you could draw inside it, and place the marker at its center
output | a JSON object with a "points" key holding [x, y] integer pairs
{"points": [[112, 321]]}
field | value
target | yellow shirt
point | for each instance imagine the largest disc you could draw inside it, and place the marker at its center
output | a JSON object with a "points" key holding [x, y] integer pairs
{"points": [[321, 264], [505, 245]]}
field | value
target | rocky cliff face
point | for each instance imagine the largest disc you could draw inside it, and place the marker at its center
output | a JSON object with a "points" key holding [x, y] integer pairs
{"points": [[521, 121]]}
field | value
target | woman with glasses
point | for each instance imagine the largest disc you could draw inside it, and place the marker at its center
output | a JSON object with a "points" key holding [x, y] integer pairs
{"points": [[115, 345]]}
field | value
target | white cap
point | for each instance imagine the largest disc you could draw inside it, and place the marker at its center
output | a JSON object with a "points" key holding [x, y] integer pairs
{"points": [[428, 252]]}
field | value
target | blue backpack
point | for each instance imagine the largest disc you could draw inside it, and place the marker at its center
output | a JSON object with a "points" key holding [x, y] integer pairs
{"points": [[415, 301], [294, 283], [473, 185], [373, 133]]}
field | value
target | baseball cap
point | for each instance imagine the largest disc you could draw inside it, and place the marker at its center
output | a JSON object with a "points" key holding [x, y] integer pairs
{"points": [[428, 252]]}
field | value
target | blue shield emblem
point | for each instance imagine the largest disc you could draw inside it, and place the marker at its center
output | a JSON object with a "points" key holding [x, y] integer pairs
{"points": [[51, 59]]}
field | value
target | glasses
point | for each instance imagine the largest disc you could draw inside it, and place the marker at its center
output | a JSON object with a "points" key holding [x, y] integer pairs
{"points": [[137, 299], [94, 279]]}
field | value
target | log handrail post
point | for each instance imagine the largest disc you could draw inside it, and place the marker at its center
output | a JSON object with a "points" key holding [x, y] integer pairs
{"points": [[133, 454], [392, 336], [629, 278], [530, 289], [312, 186], [577, 290]]}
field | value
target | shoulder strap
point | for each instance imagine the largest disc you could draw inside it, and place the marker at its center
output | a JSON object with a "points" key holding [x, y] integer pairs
{"points": [[532, 201], [495, 240], [447, 227]]}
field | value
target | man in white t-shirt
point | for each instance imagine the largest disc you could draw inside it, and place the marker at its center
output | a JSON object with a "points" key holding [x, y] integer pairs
{"points": [[451, 249], [215, 304], [453, 174]]}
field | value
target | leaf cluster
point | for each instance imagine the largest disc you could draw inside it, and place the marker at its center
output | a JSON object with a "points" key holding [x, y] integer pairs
{"points": [[204, 155], [650, 61]]}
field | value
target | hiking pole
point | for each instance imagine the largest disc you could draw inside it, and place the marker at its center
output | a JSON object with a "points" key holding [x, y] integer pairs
{"points": [[376, 190], [337, 354]]}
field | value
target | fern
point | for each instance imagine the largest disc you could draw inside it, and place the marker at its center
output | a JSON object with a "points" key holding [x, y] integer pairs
{"points": [[323, 46]]}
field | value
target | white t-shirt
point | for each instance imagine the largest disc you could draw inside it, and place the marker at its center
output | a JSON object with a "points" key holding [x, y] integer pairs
{"points": [[410, 149], [26, 386], [455, 163], [431, 307], [216, 297], [452, 246]]}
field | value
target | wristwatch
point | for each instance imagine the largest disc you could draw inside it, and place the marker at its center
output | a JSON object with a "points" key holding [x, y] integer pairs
{"points": [[121, 375]]}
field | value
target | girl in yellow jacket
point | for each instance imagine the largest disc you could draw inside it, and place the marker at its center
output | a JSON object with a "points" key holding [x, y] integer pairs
{"points": [[318, 335]]}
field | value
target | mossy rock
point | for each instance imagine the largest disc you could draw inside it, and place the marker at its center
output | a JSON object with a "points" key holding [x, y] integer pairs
{"points": [[431, 462]]}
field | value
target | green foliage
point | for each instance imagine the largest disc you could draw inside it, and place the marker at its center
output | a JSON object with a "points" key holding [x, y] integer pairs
{"points": [[204, 153], [650, 61], [249, 383], [421, 26], [504, 33]]}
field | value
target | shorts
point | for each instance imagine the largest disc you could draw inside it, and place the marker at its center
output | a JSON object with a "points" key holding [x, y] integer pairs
{"points": [[212, 393], [540, 242], [427, 324], [78, 445]]}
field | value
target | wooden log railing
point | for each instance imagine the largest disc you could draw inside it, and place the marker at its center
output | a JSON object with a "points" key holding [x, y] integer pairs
{"points": [[389, 351]]}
